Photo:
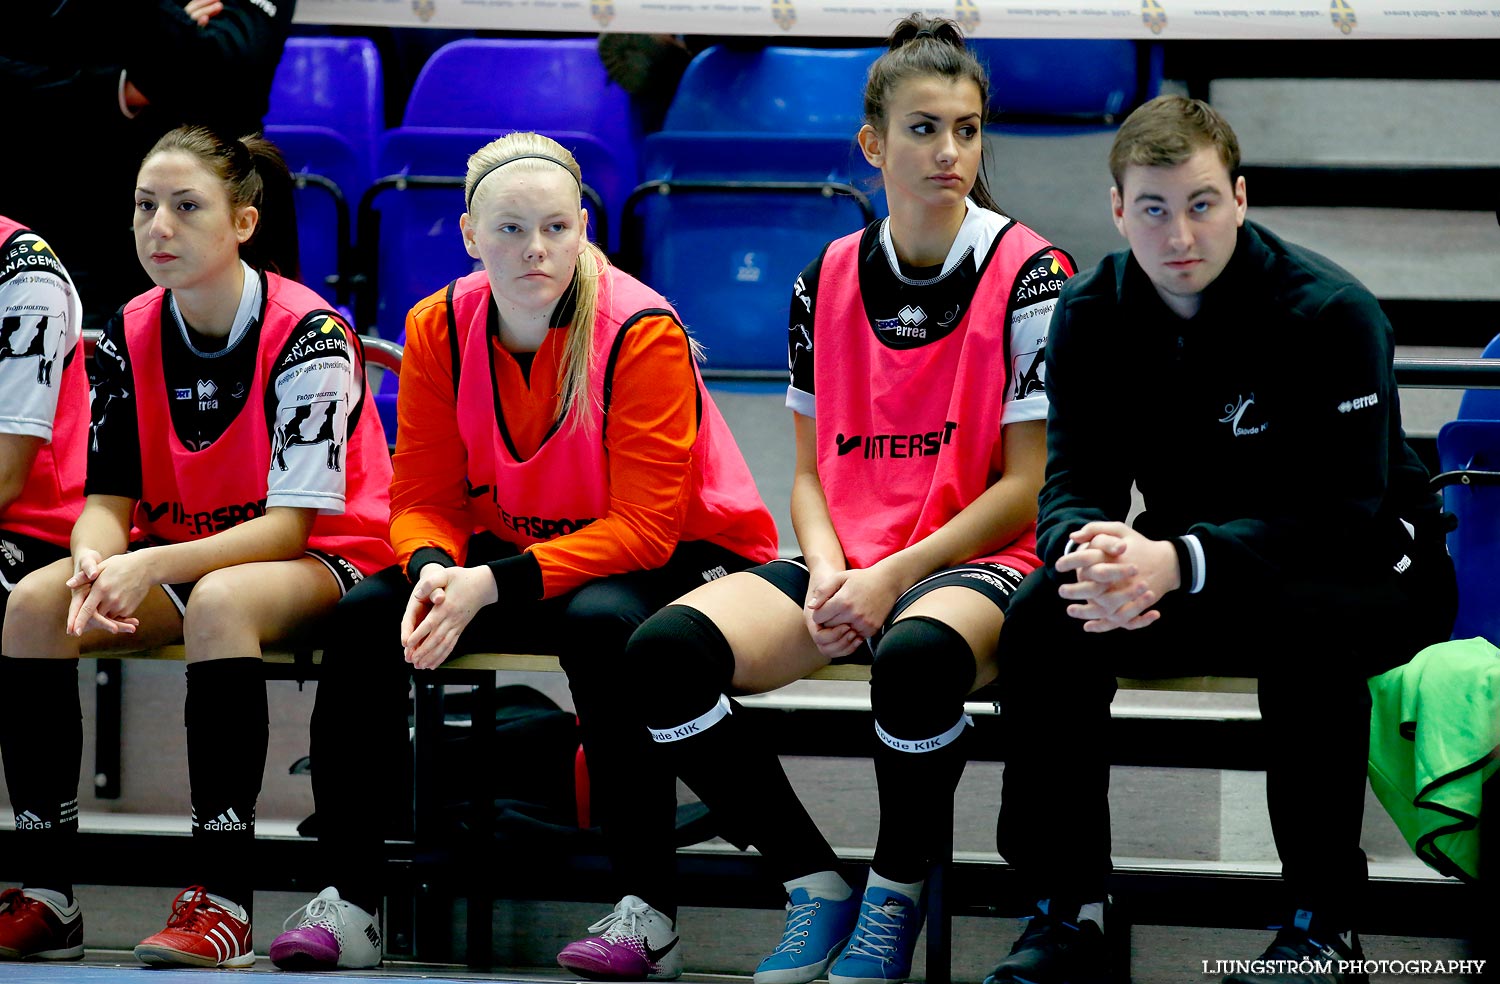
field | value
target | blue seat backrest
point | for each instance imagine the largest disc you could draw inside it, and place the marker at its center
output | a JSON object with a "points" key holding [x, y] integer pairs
{"points": [[1482, 404], [727, 260], [672, 155], [420, 245], [554, 86], [773, 90], [322, 151], [326, 115], [535, 84], [1475, 545], [1092, 81], [332, 83], [728, 263]]}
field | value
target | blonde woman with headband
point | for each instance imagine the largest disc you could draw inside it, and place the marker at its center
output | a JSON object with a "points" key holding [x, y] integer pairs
{"points": [[560, 474]]}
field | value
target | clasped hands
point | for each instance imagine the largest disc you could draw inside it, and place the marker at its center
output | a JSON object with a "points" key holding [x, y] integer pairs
{"points": [[844, 608], [1121, 576], [442, 604], [106, 591]]}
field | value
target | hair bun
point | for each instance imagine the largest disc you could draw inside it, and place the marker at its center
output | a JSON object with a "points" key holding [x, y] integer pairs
{"points": [[920, 27]]}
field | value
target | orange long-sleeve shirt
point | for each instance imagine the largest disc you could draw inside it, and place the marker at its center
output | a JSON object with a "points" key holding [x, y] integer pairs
{"points": [[653, 423]]}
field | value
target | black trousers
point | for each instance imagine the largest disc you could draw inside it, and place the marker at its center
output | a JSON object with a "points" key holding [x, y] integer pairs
{"points": [[1312, 647], [360, 744]]}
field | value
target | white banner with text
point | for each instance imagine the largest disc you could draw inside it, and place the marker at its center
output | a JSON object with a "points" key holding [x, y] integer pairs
{"points": [[1166, 19]]}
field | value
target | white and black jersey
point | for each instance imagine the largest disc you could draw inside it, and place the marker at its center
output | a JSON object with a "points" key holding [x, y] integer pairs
{"points": [[908, 307], [40, 325], [315, 387]]}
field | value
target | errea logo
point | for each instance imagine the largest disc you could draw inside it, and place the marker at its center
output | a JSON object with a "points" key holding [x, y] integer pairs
{"points": [[906, 324], [1359, 403]]}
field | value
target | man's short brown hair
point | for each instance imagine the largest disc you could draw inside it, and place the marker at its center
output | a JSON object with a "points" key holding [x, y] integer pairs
{"points": [[1167, 131]]}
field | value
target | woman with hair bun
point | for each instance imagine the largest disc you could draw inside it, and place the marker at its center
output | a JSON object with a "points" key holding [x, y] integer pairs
{"points": [[233, 438], [915, 351], [561, 473]]}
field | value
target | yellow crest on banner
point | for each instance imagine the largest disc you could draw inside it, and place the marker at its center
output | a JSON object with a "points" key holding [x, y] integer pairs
{"points": [[1343, 16], [966, 12], [784, 14], [1153, 16]]}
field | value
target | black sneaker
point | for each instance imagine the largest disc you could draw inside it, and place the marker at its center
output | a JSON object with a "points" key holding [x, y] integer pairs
{"points": [[1054, 950], [1295, 957]]}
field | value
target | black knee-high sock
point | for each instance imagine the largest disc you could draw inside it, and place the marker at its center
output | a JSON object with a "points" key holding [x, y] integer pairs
{"points": [[688, 665], [228, 725], [41, 736], [923, 670], [633, 794]]}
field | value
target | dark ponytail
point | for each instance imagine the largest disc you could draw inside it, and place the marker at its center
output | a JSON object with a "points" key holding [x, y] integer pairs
{"points": [[274, 245], [254, 173], [918, 27], [922, 47]]}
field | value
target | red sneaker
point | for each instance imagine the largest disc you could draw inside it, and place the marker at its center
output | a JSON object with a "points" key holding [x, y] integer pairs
{"points": [[201, 932], [39, 929]]}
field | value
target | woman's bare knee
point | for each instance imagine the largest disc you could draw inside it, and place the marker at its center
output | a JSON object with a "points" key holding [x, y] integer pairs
{"points": [[36, 615], [217, 623]]}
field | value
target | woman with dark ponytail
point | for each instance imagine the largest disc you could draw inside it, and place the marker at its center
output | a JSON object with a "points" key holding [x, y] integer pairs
{"points": [[232, 436], [915, 352]]}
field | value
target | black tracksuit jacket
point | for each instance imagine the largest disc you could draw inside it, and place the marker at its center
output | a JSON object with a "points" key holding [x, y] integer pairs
{"points": [[1268, 425]]}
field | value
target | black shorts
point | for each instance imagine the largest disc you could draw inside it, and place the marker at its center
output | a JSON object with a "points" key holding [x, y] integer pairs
{"points": [[20, 555], [996, 582], [345, 573]]}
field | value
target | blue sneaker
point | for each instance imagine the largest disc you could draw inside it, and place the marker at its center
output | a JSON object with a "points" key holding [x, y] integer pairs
{"points": [[880, 950], [816, 930]]}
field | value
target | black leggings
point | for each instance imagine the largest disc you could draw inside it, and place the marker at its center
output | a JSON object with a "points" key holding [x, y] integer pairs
{"points": [[359, 731]]}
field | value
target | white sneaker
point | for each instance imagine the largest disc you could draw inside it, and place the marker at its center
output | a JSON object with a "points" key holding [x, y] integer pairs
{"points": [[327, 934], [634, 943]]}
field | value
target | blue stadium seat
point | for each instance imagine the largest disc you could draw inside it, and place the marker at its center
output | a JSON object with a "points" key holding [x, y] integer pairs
{"points": [[728, 239], [556, 87], [774, 90], [333, 83], [1060, 86], [327, 103], [754, 171], [1472, 448]]}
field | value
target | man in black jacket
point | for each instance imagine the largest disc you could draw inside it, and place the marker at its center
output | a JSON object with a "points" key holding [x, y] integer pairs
{"points": [[88, 86], [1245, 385]]}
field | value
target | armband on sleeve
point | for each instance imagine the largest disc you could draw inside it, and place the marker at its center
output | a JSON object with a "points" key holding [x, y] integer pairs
{"points": [[1191, 566]]}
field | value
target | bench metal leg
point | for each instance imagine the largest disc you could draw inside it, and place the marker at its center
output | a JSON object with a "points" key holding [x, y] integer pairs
{"points": [[939, 918], [432, 931], [481, 908], [399, 917], [108, 686]]}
